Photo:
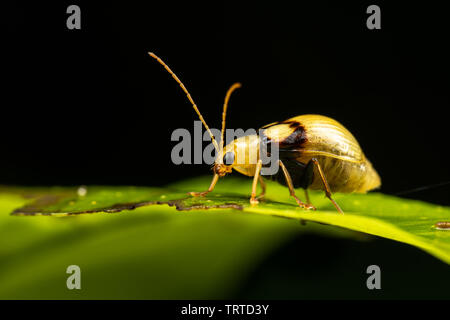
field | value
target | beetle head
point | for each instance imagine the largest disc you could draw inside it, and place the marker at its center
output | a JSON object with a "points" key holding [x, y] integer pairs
{"points": [[224, 163]]}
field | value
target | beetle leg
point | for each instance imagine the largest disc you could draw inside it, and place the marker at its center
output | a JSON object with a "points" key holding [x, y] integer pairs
{"points": [[307, 197], [291, 188], [253, 199], [326, 186], [211, 188], [263, 187]]}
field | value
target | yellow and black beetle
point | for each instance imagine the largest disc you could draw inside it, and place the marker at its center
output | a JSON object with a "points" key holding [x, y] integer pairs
{"points": [[315, 152]]}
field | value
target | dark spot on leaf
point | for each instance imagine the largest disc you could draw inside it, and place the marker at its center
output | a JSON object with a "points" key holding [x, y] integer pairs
{"points": [[182, 207], [40, 206], [40, 202]]}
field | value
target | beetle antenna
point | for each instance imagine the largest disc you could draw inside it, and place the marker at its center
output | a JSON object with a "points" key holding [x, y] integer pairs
{"points": [[188, 95], [431, 186], [224, 113]]}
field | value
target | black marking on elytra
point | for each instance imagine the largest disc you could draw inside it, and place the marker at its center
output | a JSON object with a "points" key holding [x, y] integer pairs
{"points": [[291, 123], [295, 139], [302, 174]]}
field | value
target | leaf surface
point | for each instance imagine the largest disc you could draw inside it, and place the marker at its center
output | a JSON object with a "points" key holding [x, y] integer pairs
{"points": [[158, 243]]}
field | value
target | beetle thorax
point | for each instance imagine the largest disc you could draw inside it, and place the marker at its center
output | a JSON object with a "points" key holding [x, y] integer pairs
{"points": [[241, 154]]}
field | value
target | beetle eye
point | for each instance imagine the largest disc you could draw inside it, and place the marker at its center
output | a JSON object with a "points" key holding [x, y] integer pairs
{"points": [[228, 158]]}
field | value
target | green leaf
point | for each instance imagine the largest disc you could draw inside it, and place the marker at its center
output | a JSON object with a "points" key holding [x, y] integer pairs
{"points": [[409, 221], [159, 243]]}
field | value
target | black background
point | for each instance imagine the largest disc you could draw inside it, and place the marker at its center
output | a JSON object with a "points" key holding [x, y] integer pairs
{"points": [[90, 106]]}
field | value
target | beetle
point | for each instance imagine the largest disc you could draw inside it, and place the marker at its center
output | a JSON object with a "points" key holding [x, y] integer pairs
{"points": [[315, 152]]}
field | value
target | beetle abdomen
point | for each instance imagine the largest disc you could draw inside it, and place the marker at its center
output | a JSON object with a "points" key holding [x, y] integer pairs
{"points": [[314, 136], [345, 176]]}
